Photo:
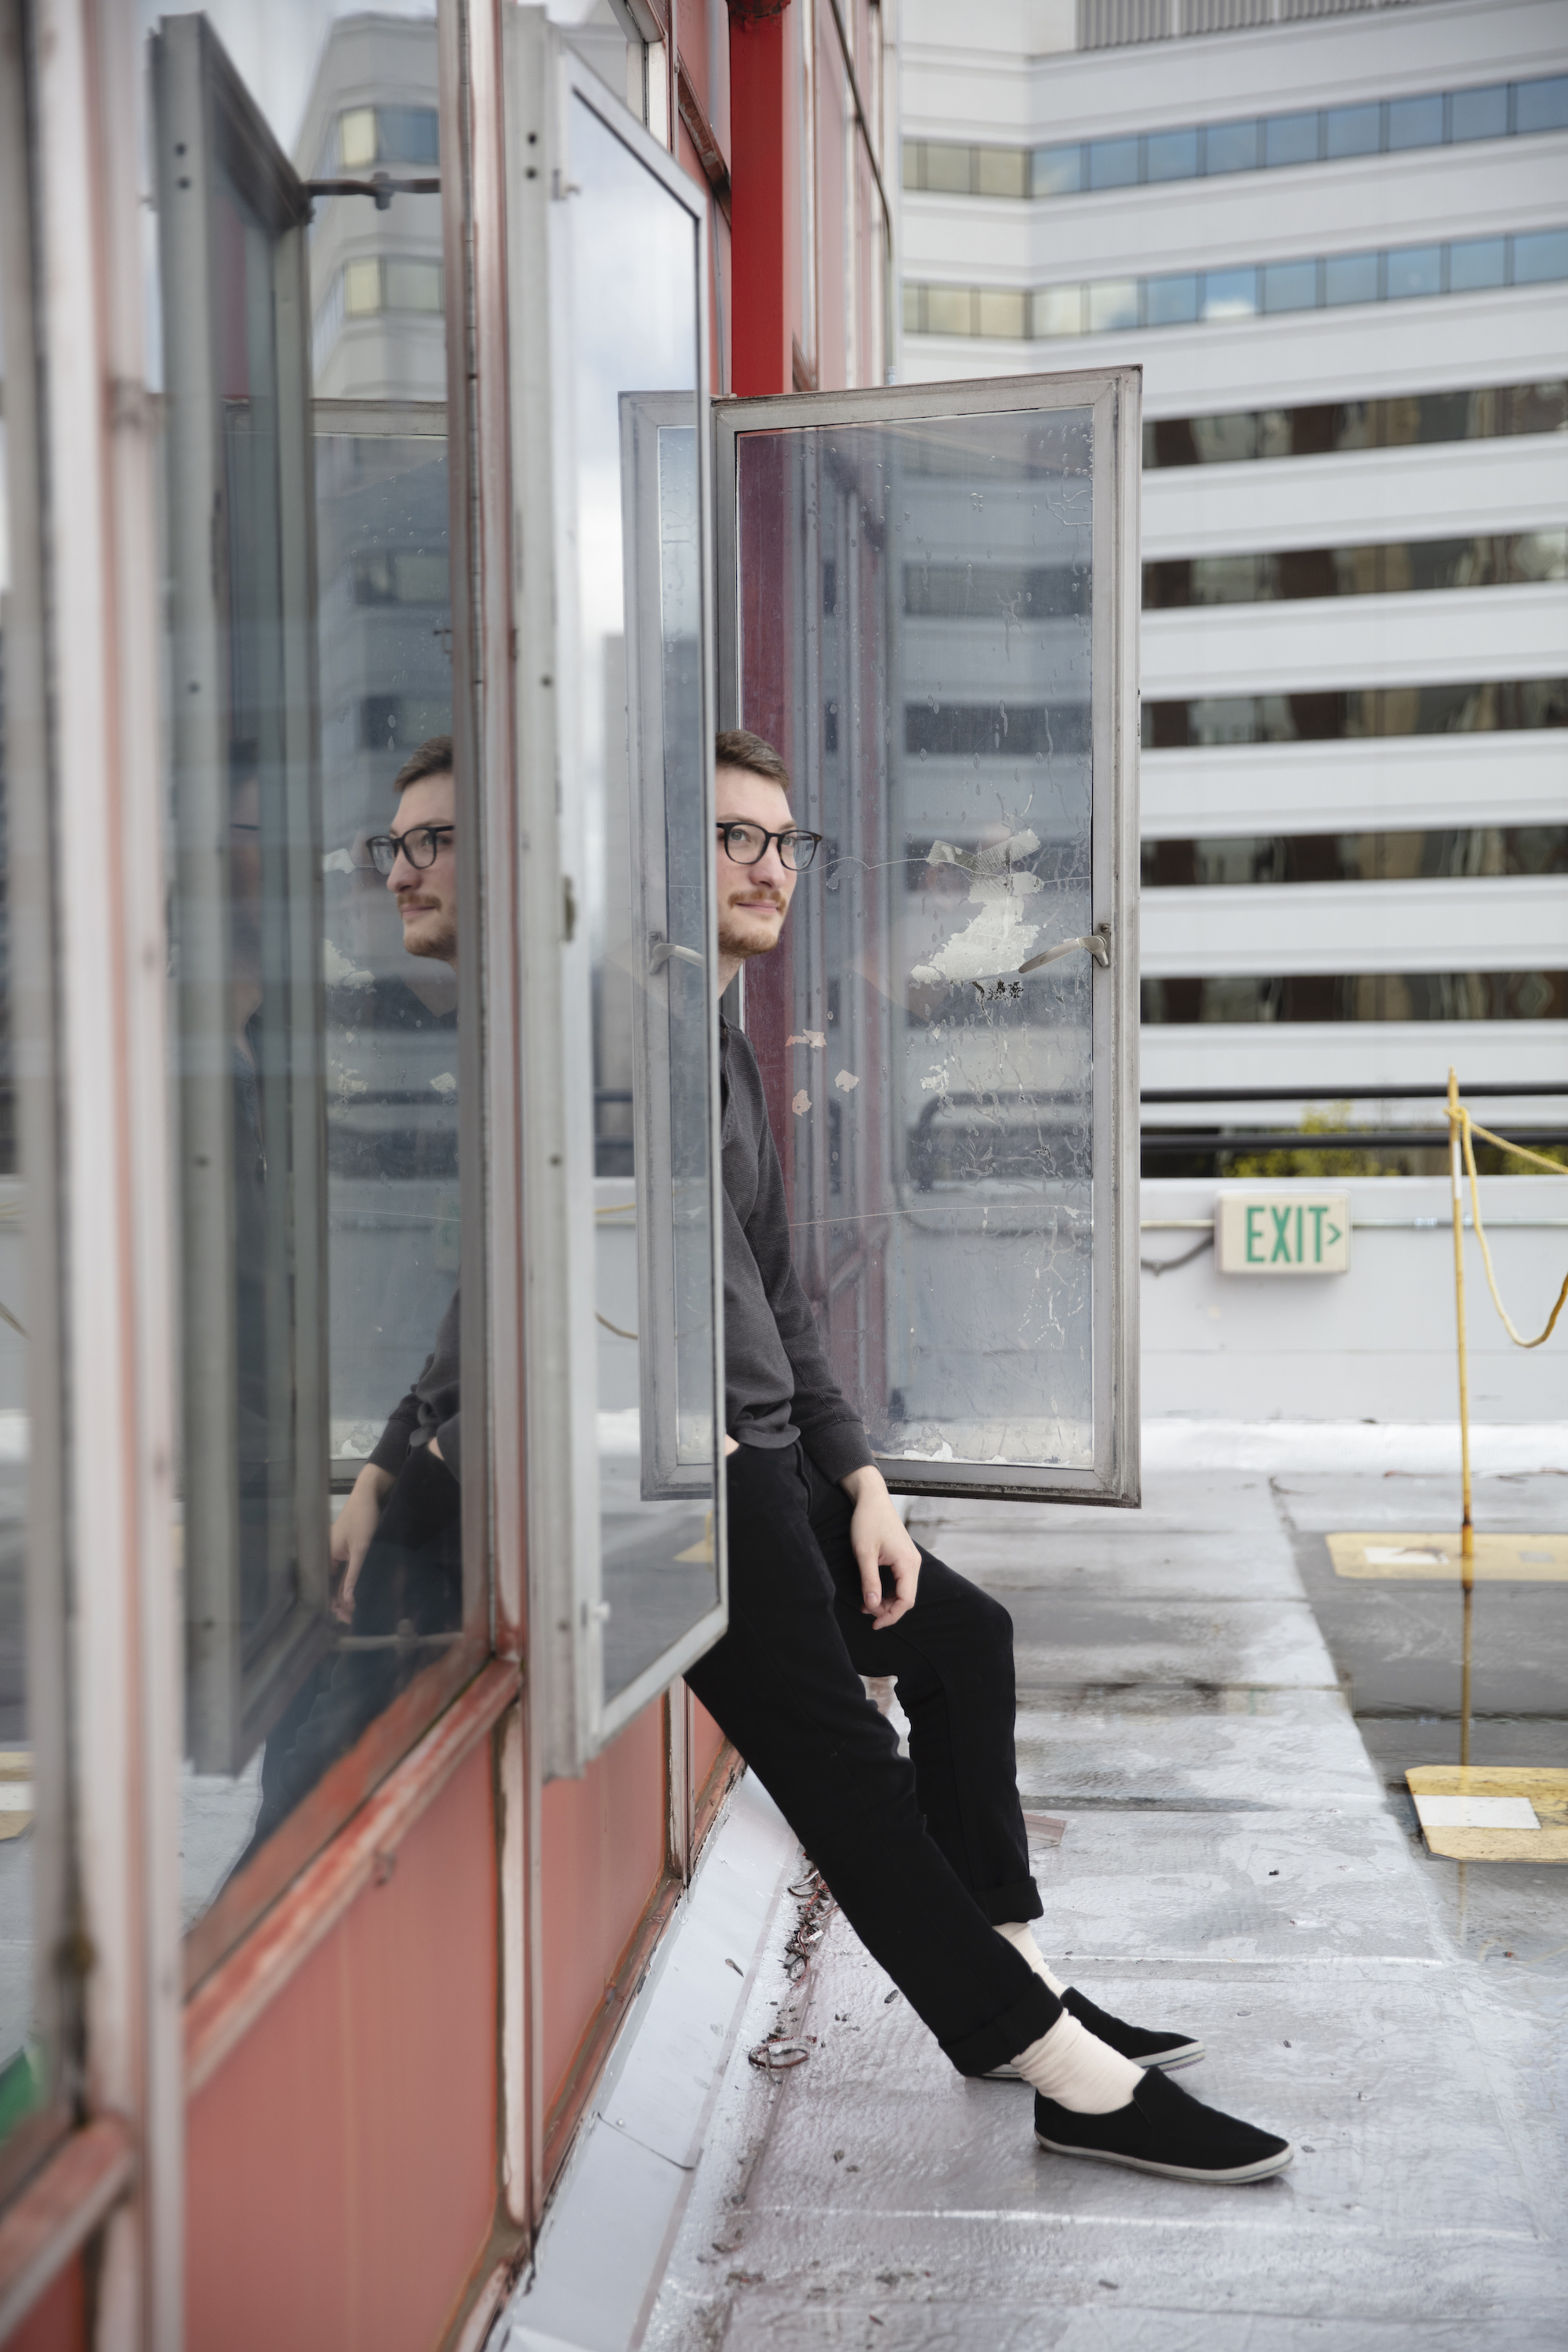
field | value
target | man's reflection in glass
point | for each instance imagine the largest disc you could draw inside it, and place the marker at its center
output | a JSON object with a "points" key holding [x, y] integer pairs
{"points": [[397, 1545]]}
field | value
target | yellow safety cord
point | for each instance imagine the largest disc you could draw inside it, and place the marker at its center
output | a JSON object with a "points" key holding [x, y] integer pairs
{"points": [[1462, 1129], [1469, 1128]]}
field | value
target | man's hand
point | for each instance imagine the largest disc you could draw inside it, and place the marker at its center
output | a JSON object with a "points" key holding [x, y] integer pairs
{"points": [[880, 1540], [352, 1531]]}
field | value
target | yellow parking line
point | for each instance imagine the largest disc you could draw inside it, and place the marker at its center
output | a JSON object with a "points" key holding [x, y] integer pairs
{"points": [[1545, 1790], [1500, 1560]]}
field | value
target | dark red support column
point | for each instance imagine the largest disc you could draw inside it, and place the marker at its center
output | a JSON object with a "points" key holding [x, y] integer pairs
{"points": [[765, 264]]}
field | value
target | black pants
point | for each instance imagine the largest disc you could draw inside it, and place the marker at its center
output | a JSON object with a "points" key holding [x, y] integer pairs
{"points": [[923, 1855]]}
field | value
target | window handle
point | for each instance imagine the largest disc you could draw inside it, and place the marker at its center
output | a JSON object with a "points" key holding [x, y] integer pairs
{"points": [[1097, 944], [660, 952]]}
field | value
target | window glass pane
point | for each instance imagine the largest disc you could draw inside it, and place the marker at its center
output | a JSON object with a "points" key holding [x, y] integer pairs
{"points": [[25, 1235], [1056, 170], [1350, 278], [1541, 105], [1290, 286], [930, 1099], [1538, 258], [1002, 171], [949, 310], [1351, 130], [1477, 263], [1416, 122], [947, 168], [1290, 139], [1003, 313], [1230, 293], [914, 165], [1112, 162], [1173, 154], [304, 383], [1414, 270], [1480, 113], [1112, 303], [1058, 310], [1171, 301], [647, 858], [1230, 147]]}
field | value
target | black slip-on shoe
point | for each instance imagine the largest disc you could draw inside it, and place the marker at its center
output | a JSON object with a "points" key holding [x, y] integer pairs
{"points": [[1166, 2051], [1164, 2129]]}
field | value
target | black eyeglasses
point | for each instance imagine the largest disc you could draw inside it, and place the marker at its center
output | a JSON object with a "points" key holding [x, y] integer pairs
{"points": [[419, 845], [747, 845]]}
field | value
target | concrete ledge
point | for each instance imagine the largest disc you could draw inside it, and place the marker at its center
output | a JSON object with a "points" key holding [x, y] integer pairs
{"points": [[614, 2213]]}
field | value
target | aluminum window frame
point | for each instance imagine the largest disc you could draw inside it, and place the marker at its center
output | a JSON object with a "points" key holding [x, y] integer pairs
{"points": [[1114, 397], [543, 80], [205, 124]]}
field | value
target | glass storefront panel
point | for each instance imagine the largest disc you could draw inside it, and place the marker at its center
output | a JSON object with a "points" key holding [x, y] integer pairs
{"points": [[636, 374], [921, 628], [22, 2058], [314, 857]]}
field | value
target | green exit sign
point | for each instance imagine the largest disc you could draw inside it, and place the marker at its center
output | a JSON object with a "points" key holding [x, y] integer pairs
{"points": [[1283, 1233]]}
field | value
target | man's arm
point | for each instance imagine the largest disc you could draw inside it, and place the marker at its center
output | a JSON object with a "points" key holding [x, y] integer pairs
{"points": [[833, 1433]]}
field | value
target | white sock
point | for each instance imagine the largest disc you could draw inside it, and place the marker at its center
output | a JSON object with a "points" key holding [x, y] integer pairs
{"points": [[1070, 2065], [1021, 1935]]}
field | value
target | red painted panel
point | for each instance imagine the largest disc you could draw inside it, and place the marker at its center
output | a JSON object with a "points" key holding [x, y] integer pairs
{"points": [[58, 2321], [766, 271], [602, 1846], [341, 2165], [706, 1739]]}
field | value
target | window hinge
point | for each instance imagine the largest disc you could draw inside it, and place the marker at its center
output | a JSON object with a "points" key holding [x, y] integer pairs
{"points": [[569, 906]]}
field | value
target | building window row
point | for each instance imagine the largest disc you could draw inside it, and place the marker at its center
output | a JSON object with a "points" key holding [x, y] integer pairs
{"points": [[363, 136], [375, 286], [1027, 593], [1328, 429], [1456, 853], [1329, 134], [1189, 297], [1357, 996], [1396, 568], [1498, 706]]}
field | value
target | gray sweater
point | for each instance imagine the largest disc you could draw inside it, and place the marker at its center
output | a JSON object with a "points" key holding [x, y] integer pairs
{"points": [[777, 1382], [430, 1408]]}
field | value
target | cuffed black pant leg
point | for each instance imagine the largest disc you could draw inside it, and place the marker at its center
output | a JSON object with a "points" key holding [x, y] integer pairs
{"points": [[783, 1689]]}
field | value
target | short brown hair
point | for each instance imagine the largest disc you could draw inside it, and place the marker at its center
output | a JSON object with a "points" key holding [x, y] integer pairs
{"points": [[735, 749], [434, 758]]}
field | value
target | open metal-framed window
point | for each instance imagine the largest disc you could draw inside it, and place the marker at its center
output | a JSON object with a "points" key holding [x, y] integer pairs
{"points": [[607, 256], [928, 602], [41, 1997], [232, 217]]}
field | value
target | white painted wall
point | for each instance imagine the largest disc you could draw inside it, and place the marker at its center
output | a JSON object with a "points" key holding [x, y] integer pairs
{"points": [[1376, 1344]]}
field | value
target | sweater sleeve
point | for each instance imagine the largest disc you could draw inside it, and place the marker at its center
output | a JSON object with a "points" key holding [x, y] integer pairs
{"points": [[391, 1448], [831, 1430]]}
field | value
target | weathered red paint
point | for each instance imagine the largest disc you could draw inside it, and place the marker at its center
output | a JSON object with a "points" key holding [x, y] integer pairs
{"points": [[766, 271], [59, 2320], [341, 2165], [601, 1857]]}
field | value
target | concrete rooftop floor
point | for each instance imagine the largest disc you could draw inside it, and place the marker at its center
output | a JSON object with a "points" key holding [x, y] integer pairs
{"points": [[1234, 1862]]}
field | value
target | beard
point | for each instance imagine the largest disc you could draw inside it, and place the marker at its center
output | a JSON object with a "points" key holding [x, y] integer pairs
{"points": [[742, 935]]}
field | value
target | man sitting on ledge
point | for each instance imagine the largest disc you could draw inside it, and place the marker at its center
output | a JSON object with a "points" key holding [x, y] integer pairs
{"points": [[927, 1857]]}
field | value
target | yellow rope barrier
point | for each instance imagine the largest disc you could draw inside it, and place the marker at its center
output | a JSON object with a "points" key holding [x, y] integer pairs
{"points": [[1462, 1130], [1469, 1128]]}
